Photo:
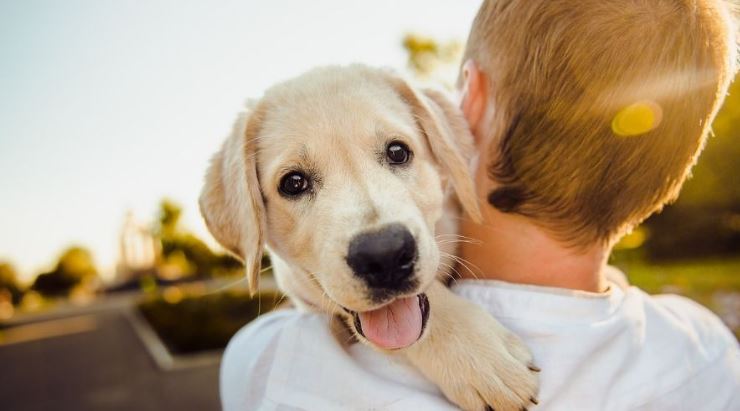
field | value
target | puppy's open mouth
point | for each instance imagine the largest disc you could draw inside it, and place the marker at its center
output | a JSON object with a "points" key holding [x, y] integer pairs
{"points": [[394, 325]]}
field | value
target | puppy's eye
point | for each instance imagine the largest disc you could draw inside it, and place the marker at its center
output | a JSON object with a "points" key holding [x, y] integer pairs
{"points": [[397, 153], [294, 184]]}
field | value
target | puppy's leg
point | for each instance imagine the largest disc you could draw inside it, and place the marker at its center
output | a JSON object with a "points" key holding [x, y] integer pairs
{"points": [[473, 359]]}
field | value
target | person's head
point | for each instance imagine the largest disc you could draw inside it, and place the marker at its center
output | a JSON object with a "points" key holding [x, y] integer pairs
{"points": [[589, 114]]}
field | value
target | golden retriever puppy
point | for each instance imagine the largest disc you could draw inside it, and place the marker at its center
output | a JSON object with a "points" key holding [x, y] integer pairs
{"points": [[349, 177]]}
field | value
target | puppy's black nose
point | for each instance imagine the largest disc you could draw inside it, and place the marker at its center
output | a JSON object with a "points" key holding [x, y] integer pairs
{"points": [[384, 258]]}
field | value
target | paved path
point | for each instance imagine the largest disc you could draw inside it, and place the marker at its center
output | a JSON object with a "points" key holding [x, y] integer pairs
{"points": [[101, 364]]}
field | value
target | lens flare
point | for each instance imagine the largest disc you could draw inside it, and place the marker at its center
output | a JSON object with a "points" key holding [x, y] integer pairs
{"points": [[637, 119]]}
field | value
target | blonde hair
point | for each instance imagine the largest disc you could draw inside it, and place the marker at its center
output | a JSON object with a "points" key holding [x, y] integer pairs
{"points": [[559, 73]]}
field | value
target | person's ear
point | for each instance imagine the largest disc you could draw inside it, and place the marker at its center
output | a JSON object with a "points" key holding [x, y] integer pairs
{"points": [[231, 200], [475, 95]]}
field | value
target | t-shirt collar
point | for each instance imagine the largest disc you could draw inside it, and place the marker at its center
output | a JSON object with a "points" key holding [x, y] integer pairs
{"points": [[523, 301]]}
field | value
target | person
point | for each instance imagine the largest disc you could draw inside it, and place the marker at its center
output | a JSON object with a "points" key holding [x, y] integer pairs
{"points": [[588, 116]]}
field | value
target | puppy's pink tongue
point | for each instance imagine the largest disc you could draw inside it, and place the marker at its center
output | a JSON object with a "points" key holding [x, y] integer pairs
{"points": [[395, 325]]}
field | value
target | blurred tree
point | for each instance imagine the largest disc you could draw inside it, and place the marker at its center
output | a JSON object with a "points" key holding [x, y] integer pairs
{"points": [[714, 181], [705, 221], [432, 60], [185, 251], [9, 282], [74, 267], [169, 217]]}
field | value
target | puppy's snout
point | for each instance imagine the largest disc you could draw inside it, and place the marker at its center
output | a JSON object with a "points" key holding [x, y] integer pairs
{"points": [[384, 258]]}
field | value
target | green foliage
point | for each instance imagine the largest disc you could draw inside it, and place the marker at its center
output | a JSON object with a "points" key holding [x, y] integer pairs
{"points": [[169, 217], [685, 232], [9, 282], [715, 177], [705, 221], [206, 322], [187, 251], [75, 265], [422, 53], [431, 59]]}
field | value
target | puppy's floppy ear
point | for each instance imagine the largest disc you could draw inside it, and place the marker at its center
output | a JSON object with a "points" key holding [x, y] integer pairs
{"points": [[449, 138], [231, 201]]}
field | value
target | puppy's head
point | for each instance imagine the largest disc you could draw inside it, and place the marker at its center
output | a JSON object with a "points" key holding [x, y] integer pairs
{"points": [[342, 172]]}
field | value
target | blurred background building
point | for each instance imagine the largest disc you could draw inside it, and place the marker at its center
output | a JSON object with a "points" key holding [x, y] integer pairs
{"points": [[139, 250]]}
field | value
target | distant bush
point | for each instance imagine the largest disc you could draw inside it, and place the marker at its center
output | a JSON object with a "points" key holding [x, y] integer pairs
{"points": [[184, 249], [705, 221], [9, 282], [197, 323], [75, 266], [681, 233]]}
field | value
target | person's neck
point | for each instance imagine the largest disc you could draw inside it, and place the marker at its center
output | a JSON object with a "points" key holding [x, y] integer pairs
{"points": [[511, 248]]}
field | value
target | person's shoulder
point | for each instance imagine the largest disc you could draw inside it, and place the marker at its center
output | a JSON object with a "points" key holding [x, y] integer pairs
{"points": [[690, 320], [695, 354]]}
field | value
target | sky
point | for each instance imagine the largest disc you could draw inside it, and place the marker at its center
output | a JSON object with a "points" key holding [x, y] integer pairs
{"points": [[109, 106]]}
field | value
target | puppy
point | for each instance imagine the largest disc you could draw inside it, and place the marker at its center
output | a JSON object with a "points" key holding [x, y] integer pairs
{"points": [[349, 176]]}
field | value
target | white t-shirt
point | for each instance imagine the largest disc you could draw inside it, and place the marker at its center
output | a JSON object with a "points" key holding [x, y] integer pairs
{"points": [[619, 350]]}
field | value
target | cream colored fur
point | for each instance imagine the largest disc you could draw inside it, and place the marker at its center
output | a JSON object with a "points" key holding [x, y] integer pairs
{"points": [[335, 122]]}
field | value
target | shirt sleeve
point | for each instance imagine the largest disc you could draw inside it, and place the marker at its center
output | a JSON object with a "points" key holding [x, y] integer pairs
{"points": [[247, 361]]}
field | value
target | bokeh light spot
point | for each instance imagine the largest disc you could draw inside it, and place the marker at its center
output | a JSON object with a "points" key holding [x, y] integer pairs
{"points": [[637, 119], [172, 295]]}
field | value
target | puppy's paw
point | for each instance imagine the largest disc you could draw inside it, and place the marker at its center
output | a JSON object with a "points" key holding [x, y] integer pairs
{"points": [[476, 362], [493, 373]]}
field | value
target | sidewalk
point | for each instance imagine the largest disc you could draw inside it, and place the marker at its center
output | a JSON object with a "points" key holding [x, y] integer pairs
{"points": [[94, 360]]}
